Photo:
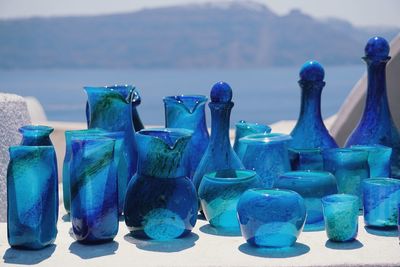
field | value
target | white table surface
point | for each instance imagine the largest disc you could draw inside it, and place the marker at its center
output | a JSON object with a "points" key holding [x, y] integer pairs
{"points": [[205, 248]]}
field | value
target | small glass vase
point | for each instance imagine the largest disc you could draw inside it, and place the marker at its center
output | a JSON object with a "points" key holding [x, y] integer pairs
{"points": [[93, 187], [262, 221], [244, 128], [381, 201], [306, 159], [32, 198], [312, 186], [219, 193], [36, 135], [188, 111], [378, 159], [350, 167], [161, 201], [341, 217], [267, 154]]}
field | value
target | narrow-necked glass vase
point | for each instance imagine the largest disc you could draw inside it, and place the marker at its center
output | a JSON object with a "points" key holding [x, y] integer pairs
{"points": [[378, 159], [32, 198], [161, 201], [188, 111], [219, 154], [310, 130], [93, 187], [376, 125], [244, 128]]}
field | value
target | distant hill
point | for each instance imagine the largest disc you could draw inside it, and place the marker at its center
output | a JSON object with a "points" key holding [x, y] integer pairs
{"points": [[233, 35]]}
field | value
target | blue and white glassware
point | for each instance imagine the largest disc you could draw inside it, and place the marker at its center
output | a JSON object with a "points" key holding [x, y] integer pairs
{"points": [[378, 159], [303, 159], [32, 198], [244, 128], [263, 222]]}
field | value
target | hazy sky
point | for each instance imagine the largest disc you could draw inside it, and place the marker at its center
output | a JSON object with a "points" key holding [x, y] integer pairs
{"points": [[358, 12]]}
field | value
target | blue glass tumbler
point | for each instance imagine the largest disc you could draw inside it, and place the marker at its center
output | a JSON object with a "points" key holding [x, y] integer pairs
{"points": [[32, 202], [244, 128], [378, 159], [306, 159], [341, 216]]}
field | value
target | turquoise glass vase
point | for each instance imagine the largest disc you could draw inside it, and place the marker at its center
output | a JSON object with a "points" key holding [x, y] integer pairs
{"points": [[36, 135], [310, 130], [244, 128], [32, 198], [376, 125], [219, 154], [378, 159], [93, 187], [161, 201], [306, 159], [188, 111]]}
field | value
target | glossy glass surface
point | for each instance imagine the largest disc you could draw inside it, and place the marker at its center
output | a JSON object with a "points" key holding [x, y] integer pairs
{"points": [[36, 135], [310, 130], [94, 193], [306, 159], [378, 159], [350, 167], [381, 201], [188, 111], [341, 217], [32, 197], [267, 154], [219, 193], [376, 125], [312, 186], [262, 221], [219, 154], [244, 128], [161, 202]]}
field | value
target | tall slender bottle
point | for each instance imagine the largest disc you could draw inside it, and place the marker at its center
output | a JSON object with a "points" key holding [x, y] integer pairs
{"points": [[310, 130], [376, 125], [219, 154]]}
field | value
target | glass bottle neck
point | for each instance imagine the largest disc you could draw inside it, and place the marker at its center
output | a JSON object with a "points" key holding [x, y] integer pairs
{"points": [[311, 101], [220, 118]]}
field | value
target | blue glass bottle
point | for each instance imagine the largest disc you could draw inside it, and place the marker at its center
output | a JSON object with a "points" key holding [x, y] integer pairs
{"points": [[161, 201], [219, 193], [376, 125], [378, 159], [111, 110], [93, 187], [188, 111], [244, 128], [36, 135], [32, 200], [306, 159], [219, 154], [310, 130], [267, 154], [263, 222]]}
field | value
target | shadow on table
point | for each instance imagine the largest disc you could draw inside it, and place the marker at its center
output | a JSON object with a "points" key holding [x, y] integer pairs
{"points": [[201, 217], [209, 229], [93, 250], [28, 257], [355, 244], [294, 251], [382, 231], [168, 246]]}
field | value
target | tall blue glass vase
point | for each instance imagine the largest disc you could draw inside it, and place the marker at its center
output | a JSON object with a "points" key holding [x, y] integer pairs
{"points": [[111, 110], [376, 125], [32, 197], [244, 128], [161, 201], [219, 154], [188, 111], [310, 130], [93, 186]]}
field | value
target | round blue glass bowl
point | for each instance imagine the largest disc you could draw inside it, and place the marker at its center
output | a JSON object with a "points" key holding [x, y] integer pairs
{"points": [[312, 186], [219, 193], [271, 217]]}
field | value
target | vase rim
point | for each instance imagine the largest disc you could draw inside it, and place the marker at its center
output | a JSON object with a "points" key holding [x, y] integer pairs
{"points": [[274, 192], [112, 87], [305, 150], [266, 138], [340, 198], [345, 151], [190, 102], [242, 175], [306, 175], [248, 125], [183, 96], [382, 181], [36, 128], [159, 133], [370, 147]]}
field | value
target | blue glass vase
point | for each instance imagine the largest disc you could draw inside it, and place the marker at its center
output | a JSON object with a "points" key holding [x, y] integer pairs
{"points": [[378, 159], [120, 162], [381, 201], [244, 128], [341, 217], [306, 159], [310, 130], [219, 193], [36, 135], [32, 199], [376, 125], [161, 201], [350, 167], [188, 111], [111, 110], [93, 187], [267, 154], [263, 222], [312, 186], [219, 154]]}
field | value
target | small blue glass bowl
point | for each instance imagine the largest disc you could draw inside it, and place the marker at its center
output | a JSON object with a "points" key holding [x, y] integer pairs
{"points": [[381, 201], [219, 193], [271, 217]]}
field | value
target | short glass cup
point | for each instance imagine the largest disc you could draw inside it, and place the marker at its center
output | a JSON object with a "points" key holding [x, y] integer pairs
{"points": [[378, 159], [306, 159]]}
